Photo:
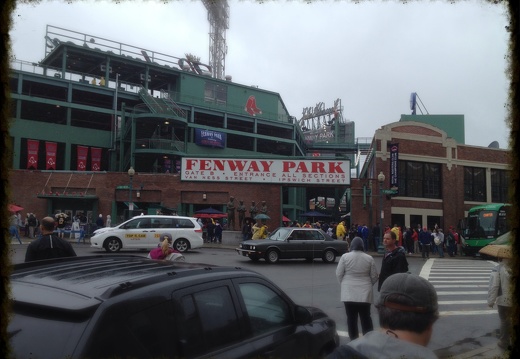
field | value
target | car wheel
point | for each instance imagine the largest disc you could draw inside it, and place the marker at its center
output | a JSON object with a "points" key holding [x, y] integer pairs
{"points": [[181, 245], [113, 245], [272, 256], [329, 256]]}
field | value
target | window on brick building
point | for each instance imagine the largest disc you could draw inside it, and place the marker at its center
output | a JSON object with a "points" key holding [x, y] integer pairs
{"points": [[418, 179], [474, 184], [499, 186]]}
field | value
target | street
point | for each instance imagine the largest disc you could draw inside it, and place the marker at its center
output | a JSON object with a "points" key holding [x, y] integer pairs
{"points": [[466, 322]]}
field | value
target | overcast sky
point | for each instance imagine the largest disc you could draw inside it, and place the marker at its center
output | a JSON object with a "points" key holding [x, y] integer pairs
{"points": [[371, 55]]}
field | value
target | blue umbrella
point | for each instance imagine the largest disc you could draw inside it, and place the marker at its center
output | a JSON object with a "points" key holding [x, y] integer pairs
{"points": [[262, 216]]}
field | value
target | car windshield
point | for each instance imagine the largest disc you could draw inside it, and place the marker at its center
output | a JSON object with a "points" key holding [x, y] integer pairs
{"points": [[280, 234]]}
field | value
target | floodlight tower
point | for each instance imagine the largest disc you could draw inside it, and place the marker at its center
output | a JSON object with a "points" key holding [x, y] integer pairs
{"points": [[218, 16]]}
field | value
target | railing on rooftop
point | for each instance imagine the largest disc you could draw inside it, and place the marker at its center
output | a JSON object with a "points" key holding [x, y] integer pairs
{"points": [[54, 33], [76, 77]]}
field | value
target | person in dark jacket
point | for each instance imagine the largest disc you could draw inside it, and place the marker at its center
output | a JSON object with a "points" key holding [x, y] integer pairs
{"points": [[48, 245], [425, 238], [394, 260]]}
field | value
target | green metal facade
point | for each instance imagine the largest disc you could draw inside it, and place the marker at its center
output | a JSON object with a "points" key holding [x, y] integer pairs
{"points": [[453, 125]]}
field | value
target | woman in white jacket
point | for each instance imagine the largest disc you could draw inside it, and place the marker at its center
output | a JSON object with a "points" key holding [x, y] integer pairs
{"points": [[357, 273], [499, 292]]}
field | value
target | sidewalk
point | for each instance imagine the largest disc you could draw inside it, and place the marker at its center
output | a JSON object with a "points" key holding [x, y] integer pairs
{"points": [[487, 351]]}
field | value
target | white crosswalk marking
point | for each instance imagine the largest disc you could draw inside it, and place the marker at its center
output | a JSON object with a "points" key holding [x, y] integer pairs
{"points": [[461, 285]]}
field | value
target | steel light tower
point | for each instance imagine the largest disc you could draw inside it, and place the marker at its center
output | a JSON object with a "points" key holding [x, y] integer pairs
{"points": [[218, 16]]}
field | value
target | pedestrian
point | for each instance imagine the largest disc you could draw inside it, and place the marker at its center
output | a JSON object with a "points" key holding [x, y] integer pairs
{"points": [[108, 222], [451, 243], [48, 245], [407, 309], [397, 230], [364, 235], [31, 221], [246, 230], [26, 225], [99, 221], [425, 238], [341, 231], [259, 230], [218, 232], [408, 239], [76, 229], [356, 272], [394, 259], [376, 235], [438, 240], [415, 238], [499, 292], [60, 224], [210, 226], [13, 228], [164, 250]]}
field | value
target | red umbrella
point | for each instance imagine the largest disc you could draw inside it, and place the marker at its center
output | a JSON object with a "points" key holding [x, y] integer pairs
{"points": [[15, 208], [285, 219], [210, 215]]}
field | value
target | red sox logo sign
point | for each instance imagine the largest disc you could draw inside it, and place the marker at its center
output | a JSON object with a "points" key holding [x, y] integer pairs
{"points": [[51, 162], [95, 167], [81, 165], [32, 161], [251, 106]]}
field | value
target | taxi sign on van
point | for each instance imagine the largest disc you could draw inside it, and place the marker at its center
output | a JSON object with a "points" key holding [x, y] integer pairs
{"points": [[135, 235]]}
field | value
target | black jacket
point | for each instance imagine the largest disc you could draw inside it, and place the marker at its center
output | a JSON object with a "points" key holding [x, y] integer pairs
{"points": [[48, 246], [393, 262]]}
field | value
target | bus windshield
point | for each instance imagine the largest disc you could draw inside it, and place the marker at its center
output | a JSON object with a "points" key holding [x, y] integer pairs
{"points": [[487, 223]]}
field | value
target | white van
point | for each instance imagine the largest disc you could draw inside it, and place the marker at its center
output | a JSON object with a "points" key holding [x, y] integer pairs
{"points": [[144, 232]]}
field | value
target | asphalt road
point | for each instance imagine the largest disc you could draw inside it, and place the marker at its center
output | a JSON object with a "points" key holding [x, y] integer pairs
{"points": [[466, 328]]}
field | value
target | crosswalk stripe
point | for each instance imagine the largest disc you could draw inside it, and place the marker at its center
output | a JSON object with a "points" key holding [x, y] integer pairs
{"points": [[468, 312], [462, 293], [343, 333], [463, 302], [461, 286]]}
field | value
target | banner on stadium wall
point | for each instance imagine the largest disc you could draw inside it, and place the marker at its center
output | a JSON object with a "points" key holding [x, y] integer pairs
{"points": [[50, 155], [82, 158], [394, 165], [32, 154], [323, 172], [210, 138], [95, 160]]}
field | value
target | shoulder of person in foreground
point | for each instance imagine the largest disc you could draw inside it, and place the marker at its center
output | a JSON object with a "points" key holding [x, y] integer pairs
{"points": [[378, 344], [345, 352]]}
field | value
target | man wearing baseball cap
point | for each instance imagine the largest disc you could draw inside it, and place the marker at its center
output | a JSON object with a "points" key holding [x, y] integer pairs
{"points": [[407, 310]]}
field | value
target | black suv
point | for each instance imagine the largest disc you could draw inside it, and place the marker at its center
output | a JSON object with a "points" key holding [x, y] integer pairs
{"points": [[133, 307]]}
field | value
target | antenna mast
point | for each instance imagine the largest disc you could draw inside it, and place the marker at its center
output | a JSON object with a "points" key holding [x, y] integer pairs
{"points": [[218, 16]]}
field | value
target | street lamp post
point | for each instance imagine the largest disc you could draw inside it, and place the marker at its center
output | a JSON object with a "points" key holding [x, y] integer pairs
{"points": [[381, 179], [131, 173]]}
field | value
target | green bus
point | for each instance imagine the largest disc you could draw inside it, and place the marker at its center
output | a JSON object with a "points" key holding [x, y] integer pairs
{"points": [[483, 225]]}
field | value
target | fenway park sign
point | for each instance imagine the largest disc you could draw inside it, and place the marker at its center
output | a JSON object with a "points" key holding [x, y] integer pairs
{"points": [[324, 172]]}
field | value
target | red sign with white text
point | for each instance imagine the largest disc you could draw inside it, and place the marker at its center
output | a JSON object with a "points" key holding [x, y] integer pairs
{"points": [[50, 157], [82, 158], [324, 172], [95, 153], [32, 154]]}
